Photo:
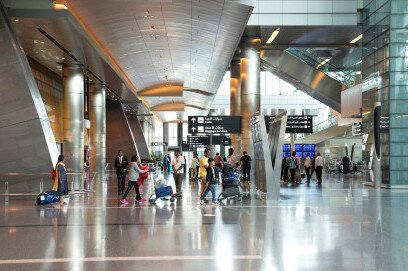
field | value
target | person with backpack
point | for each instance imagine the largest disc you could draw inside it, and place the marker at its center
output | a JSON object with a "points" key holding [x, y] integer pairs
{"points": [[293, 165]]}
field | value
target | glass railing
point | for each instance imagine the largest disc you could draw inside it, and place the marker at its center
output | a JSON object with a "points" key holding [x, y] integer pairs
{"points": [[347, 77]]}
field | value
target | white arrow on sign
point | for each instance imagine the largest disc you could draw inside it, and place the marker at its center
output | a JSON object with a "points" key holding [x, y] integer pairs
{"points": [[193, 129], [193, 120]]}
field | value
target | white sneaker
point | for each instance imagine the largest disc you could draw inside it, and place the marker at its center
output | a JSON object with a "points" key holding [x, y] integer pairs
{"points": [[215, 203], [202, 202]]}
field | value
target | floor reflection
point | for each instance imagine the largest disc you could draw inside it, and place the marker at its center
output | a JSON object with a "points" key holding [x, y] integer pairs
{"points": [[341, 225]]}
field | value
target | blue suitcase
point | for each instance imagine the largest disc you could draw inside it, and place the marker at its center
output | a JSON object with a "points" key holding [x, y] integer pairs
{"points": [[47, 198], [162, 193]]}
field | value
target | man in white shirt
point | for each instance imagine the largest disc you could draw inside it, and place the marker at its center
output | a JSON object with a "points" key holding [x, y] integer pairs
{"points": [[319, 168], [307, 164], [178, 171]]}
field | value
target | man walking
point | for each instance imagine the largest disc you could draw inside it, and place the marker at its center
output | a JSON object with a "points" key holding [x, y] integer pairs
{"points": [[246, 168], [121, 163], [319, 168], [178, 164]]}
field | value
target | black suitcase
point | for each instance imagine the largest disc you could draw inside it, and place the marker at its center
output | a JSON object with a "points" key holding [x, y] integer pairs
{"points": [[47, 198]]}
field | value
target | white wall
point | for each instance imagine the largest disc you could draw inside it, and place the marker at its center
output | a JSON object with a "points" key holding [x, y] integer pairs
{"points": [[305, 12]]}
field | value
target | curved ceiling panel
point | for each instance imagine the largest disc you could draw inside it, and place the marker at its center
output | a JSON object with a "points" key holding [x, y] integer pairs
{"points": [[168, 106], [190, 41], [168, 90]]}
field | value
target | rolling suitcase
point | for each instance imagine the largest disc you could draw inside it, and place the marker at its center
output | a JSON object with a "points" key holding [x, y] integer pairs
{"points": [[47, 198]]}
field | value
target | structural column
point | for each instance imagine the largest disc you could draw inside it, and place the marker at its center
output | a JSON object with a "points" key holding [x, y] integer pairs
{"points": [[98, 127], [73, 120], [250, 89], [180, 134], [235, 99]]}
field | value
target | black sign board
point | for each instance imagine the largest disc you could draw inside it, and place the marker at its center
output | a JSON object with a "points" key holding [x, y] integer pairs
{"points": [[356, 129], [159, 143], [294, 125], [214, 125], [384, 124], [173, 148], [227, 142], [299, 124], [205, 140], [186, 147]]}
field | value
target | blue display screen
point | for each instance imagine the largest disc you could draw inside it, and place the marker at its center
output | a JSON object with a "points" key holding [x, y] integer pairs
{"points": [[308, 147], [298, 147], [311, 154], [299, 153], [286, 154], [286, 147]]}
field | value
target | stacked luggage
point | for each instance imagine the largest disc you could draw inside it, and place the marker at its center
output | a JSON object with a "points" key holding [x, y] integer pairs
{"points": [[230, 184]]}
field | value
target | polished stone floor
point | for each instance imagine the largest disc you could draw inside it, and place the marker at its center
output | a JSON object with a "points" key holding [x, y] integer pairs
{"points": [[341, 225]]}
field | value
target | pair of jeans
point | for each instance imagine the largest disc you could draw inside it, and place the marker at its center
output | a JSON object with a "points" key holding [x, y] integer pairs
{"points": [[136, 186], [210, 187]]}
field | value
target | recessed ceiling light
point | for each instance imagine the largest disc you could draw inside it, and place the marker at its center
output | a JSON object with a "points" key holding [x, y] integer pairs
{"points": [[273, 36], [359, 37], [323, 62], [145, 16], [16, 20]]}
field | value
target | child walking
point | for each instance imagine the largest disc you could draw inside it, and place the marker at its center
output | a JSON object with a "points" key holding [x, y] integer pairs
{"points": [[134, 171]]}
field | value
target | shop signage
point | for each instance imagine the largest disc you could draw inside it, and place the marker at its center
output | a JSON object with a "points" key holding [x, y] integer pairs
{"points": [[214, 125], [371, 83], [384, 124]]}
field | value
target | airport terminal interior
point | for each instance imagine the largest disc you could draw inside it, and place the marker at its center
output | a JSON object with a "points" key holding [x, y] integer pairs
{"points": [[203, 135]]}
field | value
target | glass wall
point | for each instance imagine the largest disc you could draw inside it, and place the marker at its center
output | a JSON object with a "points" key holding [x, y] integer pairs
{"points": [[173, 134], [386, 57]]}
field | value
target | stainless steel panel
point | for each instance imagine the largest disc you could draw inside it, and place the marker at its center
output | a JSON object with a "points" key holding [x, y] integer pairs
{"points": [[97, 117], [27, 142]]}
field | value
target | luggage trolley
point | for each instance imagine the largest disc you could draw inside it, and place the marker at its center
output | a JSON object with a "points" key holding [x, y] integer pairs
{"points": [[230, 184], [162, 191]]}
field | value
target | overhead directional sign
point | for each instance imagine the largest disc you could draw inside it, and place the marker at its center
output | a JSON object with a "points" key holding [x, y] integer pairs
{"points": [[214, 125], [299, 124], [159, 143], [295, 124], [205, 140]]}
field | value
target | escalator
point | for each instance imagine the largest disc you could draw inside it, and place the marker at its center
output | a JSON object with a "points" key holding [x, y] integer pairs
{"points": [[303, 76]]}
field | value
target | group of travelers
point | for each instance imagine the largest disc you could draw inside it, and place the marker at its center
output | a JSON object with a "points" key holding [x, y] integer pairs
{"points": [[291, 168], [210, 168]]}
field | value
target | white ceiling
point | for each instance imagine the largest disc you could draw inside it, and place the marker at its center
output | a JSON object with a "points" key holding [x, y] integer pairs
{"points": [[161, 42]]}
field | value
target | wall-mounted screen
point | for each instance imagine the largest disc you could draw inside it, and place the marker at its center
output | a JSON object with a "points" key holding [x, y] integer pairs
{"points": [[298, 147]]}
